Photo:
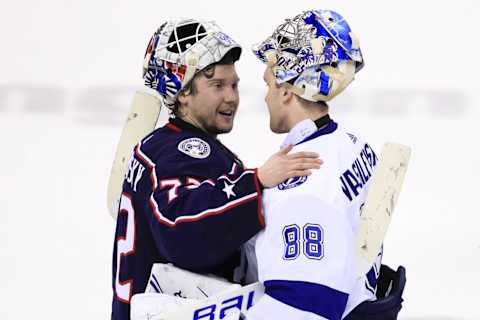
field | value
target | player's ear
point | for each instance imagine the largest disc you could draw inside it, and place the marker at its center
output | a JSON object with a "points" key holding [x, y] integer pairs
{"points": [[286, 95], [183, 97]]}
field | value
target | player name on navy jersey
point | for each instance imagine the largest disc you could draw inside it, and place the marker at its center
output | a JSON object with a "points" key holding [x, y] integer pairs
{"points": [[134, 173], [354, 178]]}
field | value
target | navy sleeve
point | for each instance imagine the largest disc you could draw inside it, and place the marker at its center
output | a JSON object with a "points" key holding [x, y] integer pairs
{"points": [[198, 221]]}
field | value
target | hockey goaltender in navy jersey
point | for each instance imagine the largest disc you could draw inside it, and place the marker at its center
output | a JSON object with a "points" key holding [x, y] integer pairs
{"points": [[187, 200]]}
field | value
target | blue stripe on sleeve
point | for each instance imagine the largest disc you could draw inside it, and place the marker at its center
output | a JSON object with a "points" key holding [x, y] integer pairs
{"points": [[312, 297]]}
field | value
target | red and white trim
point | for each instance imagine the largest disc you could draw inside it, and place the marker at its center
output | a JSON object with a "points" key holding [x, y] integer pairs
{"points": [[125, 247], [199, 216], [192, 183], [234, 168], [173, 127], [260, 203], [174, 184], [196, 217], [209, 181], [236, 180], [150, 164]]}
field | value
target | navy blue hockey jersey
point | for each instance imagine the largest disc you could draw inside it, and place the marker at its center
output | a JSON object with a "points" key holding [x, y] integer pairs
{"points": [[187, 200]]}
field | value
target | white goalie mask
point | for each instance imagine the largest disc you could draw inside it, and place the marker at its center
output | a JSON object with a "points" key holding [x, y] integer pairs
{"points": [[181, 48]]}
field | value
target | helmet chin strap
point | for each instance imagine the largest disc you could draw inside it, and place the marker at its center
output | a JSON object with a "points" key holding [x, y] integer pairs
{"points": [[322, 121], [192, 67]]}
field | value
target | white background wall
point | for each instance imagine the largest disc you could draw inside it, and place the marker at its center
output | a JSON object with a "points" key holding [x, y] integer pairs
{"points": [[67, 73]]}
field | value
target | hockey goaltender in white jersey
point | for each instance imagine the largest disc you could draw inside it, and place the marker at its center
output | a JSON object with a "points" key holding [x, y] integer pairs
{"points": [[306, 256]]}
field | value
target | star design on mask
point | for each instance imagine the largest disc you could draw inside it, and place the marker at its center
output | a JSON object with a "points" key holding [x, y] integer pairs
{"points": [[229, 190]]}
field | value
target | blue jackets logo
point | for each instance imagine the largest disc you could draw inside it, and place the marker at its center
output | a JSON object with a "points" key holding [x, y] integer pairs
{"points": [[195, 148], [292, 183]]}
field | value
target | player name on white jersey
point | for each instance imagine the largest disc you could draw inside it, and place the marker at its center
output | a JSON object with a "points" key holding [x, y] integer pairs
{"points": [[361, 170]]}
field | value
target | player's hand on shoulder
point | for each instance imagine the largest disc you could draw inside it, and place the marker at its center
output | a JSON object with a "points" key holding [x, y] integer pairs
{"points": [[282, 166]]}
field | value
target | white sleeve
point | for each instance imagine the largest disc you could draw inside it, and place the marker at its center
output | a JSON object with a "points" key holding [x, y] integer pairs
{"points": [[305, 259]]}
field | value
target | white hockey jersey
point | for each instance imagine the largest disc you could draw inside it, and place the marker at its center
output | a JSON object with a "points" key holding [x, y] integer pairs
{"points": [[306, 256]]}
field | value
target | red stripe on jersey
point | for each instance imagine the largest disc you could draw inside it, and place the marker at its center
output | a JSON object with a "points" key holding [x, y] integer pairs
{"points": [[173, 127], [234, 168], [199, 216], [128, 282], [150, 164], [236, 180], [206, 213], [192, 183], [259, 191]]}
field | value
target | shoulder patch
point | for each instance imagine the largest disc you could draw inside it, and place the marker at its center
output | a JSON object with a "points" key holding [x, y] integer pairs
{"points": [[195, 148], [292, 183]]}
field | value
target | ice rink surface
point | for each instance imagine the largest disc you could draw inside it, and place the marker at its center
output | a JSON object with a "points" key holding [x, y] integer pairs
{"points": [[68, 72]]}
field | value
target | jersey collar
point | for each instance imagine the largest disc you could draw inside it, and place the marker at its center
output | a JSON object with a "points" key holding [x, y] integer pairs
{"points": [[330, 127], [308, 129], [180, 125], [299, 132]]}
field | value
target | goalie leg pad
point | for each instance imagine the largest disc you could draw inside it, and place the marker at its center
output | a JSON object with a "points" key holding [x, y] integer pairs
{"points": [[168, 279]]}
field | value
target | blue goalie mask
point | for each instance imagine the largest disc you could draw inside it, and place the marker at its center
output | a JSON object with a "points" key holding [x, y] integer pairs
{"points": [[315, 53]]}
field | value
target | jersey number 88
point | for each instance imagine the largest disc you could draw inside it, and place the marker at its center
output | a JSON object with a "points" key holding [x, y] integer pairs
{"points": [[311, 242]]}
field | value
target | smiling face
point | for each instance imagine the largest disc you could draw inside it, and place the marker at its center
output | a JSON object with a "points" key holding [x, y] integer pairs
{"points": [[212, 105]]}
